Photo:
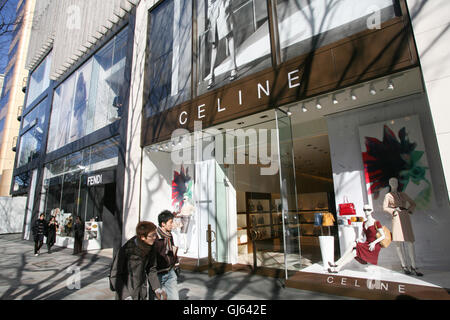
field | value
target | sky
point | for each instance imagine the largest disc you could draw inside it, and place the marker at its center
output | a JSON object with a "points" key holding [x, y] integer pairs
{"points": [[7, 14]]}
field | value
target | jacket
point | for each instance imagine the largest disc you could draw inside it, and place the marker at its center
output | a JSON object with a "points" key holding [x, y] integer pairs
{"points": [[78, 229], [165, 262], [131, 269], [39, 229]]}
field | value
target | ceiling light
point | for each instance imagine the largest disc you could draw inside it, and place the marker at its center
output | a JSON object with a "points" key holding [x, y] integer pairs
{"points": [[372, 91], [289, 113], [335, 101], [390, 85], [353, 95], [318, 105], [304, 108]]}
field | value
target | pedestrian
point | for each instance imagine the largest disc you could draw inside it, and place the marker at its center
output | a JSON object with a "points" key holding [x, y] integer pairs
{"points": [[52, 227], [134, 267], [166, 254], [39, 230], [78, 233]]}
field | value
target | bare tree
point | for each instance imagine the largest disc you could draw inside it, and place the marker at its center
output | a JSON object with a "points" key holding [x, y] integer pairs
{"points": [[8, 17]]}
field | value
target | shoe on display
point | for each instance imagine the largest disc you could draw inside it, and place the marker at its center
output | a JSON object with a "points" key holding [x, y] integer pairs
{"points": [[331, 271], [406, 270], [211, 82], [419, 274], [332, 265], [233, 74]]}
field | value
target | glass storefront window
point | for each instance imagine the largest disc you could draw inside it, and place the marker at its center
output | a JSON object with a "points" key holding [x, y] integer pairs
{"points": [[81, 96], [40, 79], [69, 192], [92, 97], [170, 51], [233, 41], [306, 25], [22, 182], [31, 141], [108, 83]]}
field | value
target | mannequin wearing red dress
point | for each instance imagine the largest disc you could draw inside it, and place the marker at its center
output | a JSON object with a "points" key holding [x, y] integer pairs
{"points": [[363, 252]]}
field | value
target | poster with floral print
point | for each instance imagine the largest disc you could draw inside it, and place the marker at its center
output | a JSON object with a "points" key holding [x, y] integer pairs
{"points": [[395, 148]]}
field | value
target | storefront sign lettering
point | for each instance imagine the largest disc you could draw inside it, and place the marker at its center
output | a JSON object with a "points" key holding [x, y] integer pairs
{"points": [[263, 90], [371, 284], [95, 180]]}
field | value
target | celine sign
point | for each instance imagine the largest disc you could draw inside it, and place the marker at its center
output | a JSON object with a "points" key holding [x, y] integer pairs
{"points": [[324, 70]]}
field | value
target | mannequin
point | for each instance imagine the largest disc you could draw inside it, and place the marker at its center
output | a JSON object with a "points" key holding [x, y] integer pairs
{"points": [[186, 214], [402, 233], [363, 252]]}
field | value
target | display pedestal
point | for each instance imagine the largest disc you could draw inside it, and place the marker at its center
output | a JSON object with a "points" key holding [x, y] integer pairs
{"points": [[327, 250]]}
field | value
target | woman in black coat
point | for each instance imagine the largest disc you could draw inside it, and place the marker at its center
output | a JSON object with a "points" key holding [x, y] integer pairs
{"points": [[52, 227], [78, 230]]}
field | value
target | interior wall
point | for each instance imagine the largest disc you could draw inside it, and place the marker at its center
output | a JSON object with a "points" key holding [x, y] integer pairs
{"points": [[430, 226]]}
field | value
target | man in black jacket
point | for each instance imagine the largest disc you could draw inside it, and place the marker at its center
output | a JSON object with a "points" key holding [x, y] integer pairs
{"points": [[166, 252], [135, 265], [39, 230]]}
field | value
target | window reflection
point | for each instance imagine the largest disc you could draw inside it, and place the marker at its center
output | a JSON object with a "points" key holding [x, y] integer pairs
{"points": [[170, 51], [305, 25], [65, 187], [92, 97], [31, 140], [39, 79]]}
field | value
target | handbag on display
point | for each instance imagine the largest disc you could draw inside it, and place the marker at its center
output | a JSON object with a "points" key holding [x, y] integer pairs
{"points": [[387, 237], [318, 219], [347, 208], [328, 219]]}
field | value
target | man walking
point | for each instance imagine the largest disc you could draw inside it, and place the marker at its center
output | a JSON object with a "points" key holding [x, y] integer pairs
{"points": [[39, 230], [135, 265], [166, 252]]}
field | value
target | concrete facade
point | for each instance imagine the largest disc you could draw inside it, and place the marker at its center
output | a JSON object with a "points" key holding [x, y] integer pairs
{"points": [[431, 27], [9, 111]]}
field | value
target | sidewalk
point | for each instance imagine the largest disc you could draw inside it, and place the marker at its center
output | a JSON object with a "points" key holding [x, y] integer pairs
{"points": [[56, 277]]}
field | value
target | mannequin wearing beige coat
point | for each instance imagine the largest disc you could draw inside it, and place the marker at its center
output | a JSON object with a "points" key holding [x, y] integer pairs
{"points": [[395, 203]]}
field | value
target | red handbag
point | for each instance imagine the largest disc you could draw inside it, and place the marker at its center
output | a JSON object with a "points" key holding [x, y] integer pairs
{"points": [[347, 208]]}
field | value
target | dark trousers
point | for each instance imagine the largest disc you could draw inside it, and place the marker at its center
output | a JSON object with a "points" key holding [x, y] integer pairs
{"points": [[78, 245], [38, 242]]}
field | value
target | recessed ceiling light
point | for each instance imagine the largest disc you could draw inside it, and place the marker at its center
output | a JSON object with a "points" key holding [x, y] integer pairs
{"points": [[390, 85]]}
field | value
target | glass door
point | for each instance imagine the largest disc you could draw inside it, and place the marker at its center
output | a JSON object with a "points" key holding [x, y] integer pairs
{"points": [[288, 193]]}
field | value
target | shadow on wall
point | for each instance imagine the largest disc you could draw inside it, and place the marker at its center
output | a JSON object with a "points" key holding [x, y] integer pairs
{"points": [[12, 214]]}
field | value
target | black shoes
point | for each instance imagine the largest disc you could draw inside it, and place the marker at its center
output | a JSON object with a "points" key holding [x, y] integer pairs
{"points": [[412, 270], [419, 274], [406, 270]]}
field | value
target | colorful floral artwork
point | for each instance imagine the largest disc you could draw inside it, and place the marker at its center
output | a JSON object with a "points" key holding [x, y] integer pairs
{"points": [[391, 152], [181, 187]]}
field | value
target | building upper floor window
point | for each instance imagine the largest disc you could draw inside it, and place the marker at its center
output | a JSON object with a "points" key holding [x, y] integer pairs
{"points": [[170, 52], [305, 25], [92, 97], [33, 134], [234, 39], [39, 80]]}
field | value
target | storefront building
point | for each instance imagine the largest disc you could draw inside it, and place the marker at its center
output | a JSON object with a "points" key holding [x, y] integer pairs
{"points": [[69, 159], [257, 128], [253, 121]]}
